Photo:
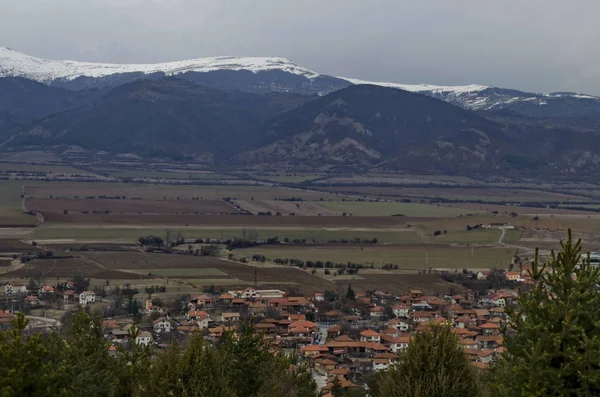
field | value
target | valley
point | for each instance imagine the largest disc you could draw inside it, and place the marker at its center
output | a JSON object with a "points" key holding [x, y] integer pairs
{"points": [[399, 229]]}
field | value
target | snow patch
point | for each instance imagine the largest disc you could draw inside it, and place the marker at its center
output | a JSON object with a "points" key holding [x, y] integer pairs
{"points": [[457, 89]]}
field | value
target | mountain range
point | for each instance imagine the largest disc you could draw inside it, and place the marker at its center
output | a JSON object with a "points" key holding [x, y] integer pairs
{"points": [[248, 110]]}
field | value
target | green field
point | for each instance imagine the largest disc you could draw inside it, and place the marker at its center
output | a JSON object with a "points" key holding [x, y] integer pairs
{"points": [[474, 237], [11, 212], [359, 208], [88, 233], [54, 169], [168, 174], [157, 191], [408, 257], [289, 177]]}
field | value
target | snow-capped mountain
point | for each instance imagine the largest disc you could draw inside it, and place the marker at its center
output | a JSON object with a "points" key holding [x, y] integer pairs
{"points": [[14, 63], [267, 74], [485, 98]]}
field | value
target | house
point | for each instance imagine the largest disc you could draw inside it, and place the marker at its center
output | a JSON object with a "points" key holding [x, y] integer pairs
{"points": [[470, 344], [313, 350], [233, 317], [381, 364], [32, 300], [251, 293], [490, 329], [400, 325], [70, 296], [161, 325], [325, 364], [203, 322], [513, 276], [482, 275], [369, 335], [401, 311], [415, 293], [144, 338], [377, 311], [87, 297], [15, 287], [395, 344], [201, 300], [46, 289], [150, 308], [423, 317], [118, 335], [319, 297], [196, 314]]}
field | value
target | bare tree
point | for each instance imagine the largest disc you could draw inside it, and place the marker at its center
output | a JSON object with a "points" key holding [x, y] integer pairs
{"points": [[249, 234], [168, 233]]}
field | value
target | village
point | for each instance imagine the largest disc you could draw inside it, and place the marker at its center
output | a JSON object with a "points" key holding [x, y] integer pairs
{"points": [[343, 337]]}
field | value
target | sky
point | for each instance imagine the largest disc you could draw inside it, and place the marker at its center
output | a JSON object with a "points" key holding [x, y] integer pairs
{"points": [[531, 45]]}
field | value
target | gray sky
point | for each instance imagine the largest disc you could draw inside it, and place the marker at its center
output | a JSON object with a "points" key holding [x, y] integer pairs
{"points": [[533, 45]]}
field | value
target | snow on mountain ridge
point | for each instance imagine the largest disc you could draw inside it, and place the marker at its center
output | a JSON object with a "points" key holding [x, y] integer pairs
{"points": [[16, 64], [458, 89]]}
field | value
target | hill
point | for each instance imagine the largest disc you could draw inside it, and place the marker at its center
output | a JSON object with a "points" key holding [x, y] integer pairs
{"points": [[168, 117], [371, 125]]}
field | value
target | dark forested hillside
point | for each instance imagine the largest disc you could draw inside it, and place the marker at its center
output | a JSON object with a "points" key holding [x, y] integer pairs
{"points": [[164, 117]]}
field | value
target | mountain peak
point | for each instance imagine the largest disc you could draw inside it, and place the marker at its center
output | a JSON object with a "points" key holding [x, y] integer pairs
{"points": [[16, 64]]}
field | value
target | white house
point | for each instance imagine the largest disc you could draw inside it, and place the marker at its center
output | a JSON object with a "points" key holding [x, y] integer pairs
{"points": [[162, 325], [15, 287], [401, 311], [369, 335], [251, 293], [381, 364], [87, 297], [144, 338], [203, 322]]}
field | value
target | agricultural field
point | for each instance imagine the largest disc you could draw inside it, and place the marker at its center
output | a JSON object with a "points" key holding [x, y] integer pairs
{"points": [[398, 179], [11, 210], [174, 174], [407, 257], [89, 233], [524, 210], [452, 193], [304, 208], [367, 208], [13, 245], [283, 277], [67, 268], [399, 283], [41, 168], [288, 177], [49, 206], [167, 191]]}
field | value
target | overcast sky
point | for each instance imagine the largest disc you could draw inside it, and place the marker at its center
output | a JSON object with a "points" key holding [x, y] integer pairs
{"points": [[533, 45]]}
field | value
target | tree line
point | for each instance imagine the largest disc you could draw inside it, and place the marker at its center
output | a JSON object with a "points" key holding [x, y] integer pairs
{"points": [[80, 363]]}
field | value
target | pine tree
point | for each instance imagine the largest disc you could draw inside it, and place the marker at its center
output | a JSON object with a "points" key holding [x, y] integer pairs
{"points": [[553, 339], [434, 365], [350, 294]]}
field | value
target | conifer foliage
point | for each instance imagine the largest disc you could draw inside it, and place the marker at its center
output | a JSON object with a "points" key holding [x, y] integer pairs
{"points": [[553, 339], [434, 365]]}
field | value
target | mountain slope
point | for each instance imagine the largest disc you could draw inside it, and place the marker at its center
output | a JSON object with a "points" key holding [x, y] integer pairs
{"points": [[268, 74], [254, 74], [371, 125], [485, 98], [23, 101], [156, 118]]}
